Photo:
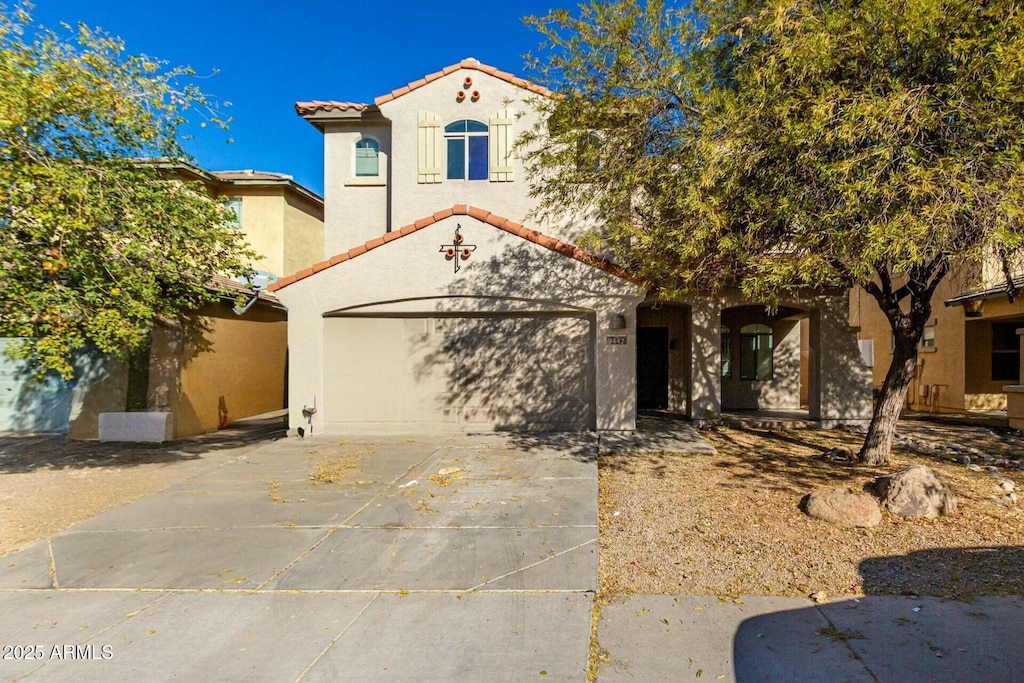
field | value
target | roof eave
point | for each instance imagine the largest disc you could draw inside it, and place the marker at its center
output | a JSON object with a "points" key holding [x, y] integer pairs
{"points": [[986, 294]]}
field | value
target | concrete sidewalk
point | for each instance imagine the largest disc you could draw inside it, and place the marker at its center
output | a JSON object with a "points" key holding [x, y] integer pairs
{"points": [[886, 639]]}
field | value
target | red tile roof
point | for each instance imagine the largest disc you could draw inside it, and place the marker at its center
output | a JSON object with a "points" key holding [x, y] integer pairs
{"points": [[315, 106], [230, 288], [468, 63], [505, 224], [249, 174]]}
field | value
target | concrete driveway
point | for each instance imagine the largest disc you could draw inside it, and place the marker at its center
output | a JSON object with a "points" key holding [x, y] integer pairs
{"points": [[395, 572]]}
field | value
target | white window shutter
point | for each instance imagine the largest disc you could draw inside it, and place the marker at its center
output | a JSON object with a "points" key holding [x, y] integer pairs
{"points": [[500, 143], [430, 147]]}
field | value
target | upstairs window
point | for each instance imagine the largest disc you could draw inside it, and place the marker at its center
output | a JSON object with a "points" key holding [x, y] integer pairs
{"points": [[466, 150], [367, 158], [756, 352]]}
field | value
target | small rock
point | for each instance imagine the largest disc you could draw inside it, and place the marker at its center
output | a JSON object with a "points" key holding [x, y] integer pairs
{"points": [[915, 492], [1006, 485], [840, 454], [820, 597], [974, 468], [843, 507], [1001, 462], [964, 460], [1012, 497]]}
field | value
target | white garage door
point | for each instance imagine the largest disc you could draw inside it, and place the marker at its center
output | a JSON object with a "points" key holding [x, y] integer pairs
{"points": [[408, 374]]}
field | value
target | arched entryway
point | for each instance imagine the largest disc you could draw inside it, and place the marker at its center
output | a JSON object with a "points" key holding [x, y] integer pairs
{"points": [[765, 358]]}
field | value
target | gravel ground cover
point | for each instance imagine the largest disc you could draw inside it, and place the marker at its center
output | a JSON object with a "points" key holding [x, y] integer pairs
{"points": [[48, 483], [729, 524]]}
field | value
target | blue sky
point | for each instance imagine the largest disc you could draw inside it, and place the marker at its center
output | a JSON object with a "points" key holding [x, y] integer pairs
{"points": [[271, 54]]}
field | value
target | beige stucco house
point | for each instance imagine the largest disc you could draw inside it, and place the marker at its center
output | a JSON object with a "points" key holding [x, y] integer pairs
{"points": [[236, 365], [970, 350], [438, 305]]}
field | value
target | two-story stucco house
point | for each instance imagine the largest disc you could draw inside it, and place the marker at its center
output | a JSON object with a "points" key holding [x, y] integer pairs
{"points": [[440, 307], [236, 369]]}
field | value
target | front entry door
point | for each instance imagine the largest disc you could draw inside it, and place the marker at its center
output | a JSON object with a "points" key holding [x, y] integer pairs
{"points": [[651, 368]]}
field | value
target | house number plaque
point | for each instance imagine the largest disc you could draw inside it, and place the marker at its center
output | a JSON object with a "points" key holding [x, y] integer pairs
{"points": [[617, 340]]}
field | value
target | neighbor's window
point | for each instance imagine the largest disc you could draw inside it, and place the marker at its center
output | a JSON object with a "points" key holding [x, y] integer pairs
{"points": [[367, 157], [1005, 352], [756, 352], [928, 338], [726, 345], [234, 205], [466, 149]]}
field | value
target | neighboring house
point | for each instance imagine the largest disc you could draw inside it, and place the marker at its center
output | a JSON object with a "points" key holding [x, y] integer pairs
{"points": [[439, 306], [236, 368], [970, 349]]}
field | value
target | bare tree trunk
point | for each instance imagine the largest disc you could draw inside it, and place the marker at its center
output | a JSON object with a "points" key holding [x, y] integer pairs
{"points": [[907, 330], [878, 442]]}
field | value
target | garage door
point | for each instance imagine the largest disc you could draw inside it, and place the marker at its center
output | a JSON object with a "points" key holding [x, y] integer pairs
{"points": [[404, 374]]}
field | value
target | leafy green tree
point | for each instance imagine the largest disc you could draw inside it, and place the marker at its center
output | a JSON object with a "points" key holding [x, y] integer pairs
{"points": [[97, 245], [782, 144]]}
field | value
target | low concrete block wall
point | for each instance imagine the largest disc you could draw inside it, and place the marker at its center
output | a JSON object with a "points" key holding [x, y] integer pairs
{"points": [[154, 427]]}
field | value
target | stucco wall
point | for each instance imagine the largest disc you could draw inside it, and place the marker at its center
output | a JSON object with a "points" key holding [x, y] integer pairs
{"points": [[410, 198], [960, 365], [303, 234], [235, 364], [505, 273], [263, 225], [355, 209], [239, 368], [358, 209]]}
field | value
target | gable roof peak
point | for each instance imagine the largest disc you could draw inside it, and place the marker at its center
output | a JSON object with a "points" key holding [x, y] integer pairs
{"points": [[483, 216], [467, 63]]}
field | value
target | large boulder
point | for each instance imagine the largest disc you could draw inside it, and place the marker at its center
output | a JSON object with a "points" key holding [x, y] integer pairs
{"points": [[915, 492], [843, 507]]}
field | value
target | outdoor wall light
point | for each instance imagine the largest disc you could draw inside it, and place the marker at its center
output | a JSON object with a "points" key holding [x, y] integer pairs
{"points": [[974, 309], [617, 321]]}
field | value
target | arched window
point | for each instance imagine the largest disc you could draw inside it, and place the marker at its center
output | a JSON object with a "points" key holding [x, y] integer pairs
{"points": [[466, 149], [367, 157], [756, 352]]}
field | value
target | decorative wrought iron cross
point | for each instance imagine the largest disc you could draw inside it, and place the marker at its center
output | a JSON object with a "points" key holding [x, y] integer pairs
{"points": [[457, 250]]}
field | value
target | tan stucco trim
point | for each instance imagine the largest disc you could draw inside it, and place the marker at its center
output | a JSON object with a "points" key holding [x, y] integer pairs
{"points": [[366, 182], [482, 215]]}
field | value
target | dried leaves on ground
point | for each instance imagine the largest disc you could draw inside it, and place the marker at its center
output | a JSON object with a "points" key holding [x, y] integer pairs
{"points": [[729, 523]]}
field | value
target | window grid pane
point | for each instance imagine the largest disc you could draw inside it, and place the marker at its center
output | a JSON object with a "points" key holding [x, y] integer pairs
{"points": [[478, 158], [756, 355], [456, 158]]}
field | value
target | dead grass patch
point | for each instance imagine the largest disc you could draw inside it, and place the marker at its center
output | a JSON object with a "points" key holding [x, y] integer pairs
{"points": [[728, 524]]}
